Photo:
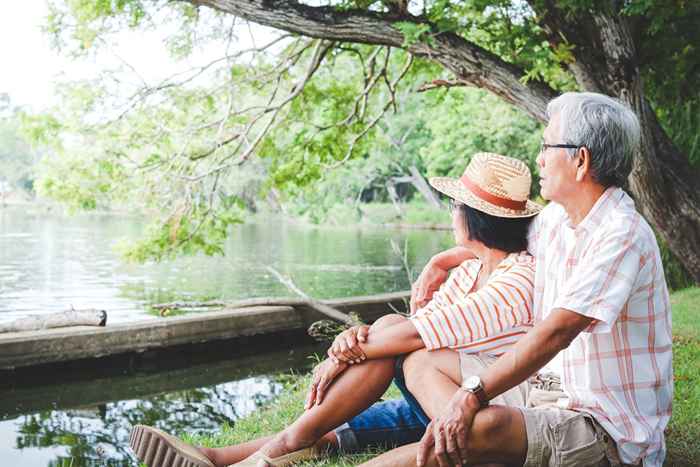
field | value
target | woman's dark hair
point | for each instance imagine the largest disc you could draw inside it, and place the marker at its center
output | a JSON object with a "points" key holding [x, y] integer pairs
{"points": [[504, 233]]}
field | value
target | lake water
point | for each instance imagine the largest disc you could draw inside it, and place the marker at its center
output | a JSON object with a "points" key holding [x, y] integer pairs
{"points": [[50, 262]]}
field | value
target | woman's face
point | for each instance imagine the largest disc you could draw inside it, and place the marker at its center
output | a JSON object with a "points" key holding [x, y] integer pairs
{"points": [[459, 226]]}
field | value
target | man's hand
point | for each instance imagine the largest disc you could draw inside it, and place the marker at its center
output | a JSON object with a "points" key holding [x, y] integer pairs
{"points": [[324, 374], [345, 347], [448, 433], [429, 281]]}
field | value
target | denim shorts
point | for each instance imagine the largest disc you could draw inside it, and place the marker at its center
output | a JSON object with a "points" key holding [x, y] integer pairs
{"points": [[386, 424]]}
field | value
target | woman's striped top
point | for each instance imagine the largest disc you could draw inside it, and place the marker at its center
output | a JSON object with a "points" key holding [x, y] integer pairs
{"points": [[488, 320]]}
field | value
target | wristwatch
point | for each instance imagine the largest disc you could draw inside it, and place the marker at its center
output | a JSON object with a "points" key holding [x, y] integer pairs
{"points": [[473, 384]]}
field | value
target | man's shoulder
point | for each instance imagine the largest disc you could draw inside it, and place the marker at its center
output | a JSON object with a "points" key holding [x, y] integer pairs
{"points": [[623, 220]]}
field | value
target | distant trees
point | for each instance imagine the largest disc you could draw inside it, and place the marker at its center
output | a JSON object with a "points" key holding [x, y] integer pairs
{"points": [[16, 156]]}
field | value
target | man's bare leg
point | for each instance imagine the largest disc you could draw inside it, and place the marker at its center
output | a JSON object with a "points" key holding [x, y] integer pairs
{"points": [[432, 377], [497, 436]]}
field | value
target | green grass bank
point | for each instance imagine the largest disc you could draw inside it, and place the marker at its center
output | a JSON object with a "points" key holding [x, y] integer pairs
{"points": [[683, 432]]}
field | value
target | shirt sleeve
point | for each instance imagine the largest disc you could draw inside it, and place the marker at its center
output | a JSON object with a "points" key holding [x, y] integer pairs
{"points": [[503, 304], [601, 286]]}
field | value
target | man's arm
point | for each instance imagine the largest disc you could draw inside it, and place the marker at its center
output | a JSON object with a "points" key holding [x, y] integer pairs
{"points": [[531, 353]]}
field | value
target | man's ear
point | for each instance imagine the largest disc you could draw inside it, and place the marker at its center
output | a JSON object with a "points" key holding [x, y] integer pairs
{"points": [[583, 162]]}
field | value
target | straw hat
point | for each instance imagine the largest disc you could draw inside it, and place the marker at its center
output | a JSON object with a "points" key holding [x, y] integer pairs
{"points": [[494, 184]]}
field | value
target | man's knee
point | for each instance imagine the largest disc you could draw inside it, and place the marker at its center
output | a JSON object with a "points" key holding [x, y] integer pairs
{"points": [[415, 366], [492, 427], [387, 320]]}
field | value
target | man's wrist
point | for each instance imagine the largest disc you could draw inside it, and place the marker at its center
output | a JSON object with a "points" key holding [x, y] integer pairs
{"points": [[471, 402]]}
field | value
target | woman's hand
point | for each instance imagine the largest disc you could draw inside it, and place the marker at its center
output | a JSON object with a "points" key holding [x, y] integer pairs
{"points": [[346, 348], [324, 374], [429, 281]]}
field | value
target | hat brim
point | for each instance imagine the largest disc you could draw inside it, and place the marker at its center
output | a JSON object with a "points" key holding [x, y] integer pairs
{"points": [[457, 191]]}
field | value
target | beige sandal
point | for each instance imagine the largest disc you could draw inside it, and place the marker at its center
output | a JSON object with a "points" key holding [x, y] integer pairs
{"points": [[156, 448], [281, 461]]}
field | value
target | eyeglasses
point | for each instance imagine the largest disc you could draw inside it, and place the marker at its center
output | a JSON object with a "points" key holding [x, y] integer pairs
{"points": [[544, 146]]}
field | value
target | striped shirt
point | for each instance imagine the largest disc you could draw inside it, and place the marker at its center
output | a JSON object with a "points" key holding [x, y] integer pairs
{"points": [[619, 369], [490, 319]]}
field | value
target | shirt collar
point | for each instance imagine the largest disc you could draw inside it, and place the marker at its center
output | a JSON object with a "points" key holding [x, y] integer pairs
{"points": [[597, 212]]}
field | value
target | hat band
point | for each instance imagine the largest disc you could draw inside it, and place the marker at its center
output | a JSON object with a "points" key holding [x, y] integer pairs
{"points": [[491, 198]]}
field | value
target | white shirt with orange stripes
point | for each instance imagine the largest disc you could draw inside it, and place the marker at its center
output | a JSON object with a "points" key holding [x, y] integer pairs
{"points": [[488, 320], [619, 369]]}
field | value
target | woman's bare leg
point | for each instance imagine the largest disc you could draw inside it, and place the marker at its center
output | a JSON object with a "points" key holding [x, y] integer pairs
{"points": [[228, 455], [354, 390]]}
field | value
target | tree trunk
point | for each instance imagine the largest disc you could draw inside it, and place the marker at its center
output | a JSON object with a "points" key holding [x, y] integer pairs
{"points": [[667, 190], [424, 188]]}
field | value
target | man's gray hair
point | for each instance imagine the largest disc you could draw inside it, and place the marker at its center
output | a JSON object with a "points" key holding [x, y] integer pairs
{"points": [[608, 128]]}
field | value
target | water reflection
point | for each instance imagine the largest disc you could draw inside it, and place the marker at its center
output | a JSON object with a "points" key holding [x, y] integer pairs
{"points": [[82, 430], [98, 435]]}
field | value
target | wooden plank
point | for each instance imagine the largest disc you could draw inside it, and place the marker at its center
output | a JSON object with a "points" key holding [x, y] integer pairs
{"points": [[22, 349]]}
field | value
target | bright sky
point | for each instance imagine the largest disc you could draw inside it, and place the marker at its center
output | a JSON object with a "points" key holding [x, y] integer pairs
{"points": [[29, 67]]}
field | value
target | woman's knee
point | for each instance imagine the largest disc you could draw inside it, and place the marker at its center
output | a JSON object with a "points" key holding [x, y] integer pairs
{"points": [[388, 320]]}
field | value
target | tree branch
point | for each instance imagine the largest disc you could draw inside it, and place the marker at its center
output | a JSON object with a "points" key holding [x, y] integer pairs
{"points": [[466, 60]]}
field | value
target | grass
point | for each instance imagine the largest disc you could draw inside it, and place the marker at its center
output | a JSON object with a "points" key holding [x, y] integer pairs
{"points": [[683, 433]]}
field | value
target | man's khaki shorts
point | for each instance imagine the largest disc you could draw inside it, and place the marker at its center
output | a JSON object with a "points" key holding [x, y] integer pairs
{"points": [[555, 436]]}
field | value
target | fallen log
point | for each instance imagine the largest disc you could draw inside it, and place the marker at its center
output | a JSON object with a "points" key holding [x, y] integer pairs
{"points": [[248, 302], [88, 317]]}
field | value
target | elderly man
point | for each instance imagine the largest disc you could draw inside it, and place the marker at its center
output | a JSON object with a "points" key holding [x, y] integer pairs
{"points": [[599, 356]]}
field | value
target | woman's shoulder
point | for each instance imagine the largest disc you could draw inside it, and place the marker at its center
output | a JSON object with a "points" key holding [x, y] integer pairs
{"points": [[520, 264], [521, 258]]}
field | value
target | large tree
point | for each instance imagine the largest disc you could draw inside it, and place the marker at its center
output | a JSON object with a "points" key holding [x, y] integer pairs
{"points": [[646, 53]]}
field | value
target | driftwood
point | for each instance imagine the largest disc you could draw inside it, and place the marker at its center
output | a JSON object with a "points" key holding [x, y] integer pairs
{"points": [[313, 303], [248, 302], [89, 317]]}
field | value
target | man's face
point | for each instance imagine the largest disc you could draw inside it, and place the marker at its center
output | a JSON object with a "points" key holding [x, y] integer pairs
{"points": [[557, 167]]}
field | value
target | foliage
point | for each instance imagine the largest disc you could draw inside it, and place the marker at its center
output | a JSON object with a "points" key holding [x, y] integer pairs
{"points": [[464, 124], [331, 112]]}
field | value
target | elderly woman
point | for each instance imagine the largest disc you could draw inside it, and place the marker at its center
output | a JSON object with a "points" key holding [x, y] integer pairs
{"points": [[476, 315]]}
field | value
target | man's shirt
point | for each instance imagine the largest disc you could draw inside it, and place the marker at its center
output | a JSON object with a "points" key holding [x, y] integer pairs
{"points": [[619, 369], [491, 319]]}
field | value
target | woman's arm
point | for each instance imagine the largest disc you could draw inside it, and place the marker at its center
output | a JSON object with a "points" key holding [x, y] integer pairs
{"points": [[383, 340], [435, 273]]}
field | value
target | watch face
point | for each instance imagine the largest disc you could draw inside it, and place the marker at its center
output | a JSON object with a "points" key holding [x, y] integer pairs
{"points": [[472, 383]]}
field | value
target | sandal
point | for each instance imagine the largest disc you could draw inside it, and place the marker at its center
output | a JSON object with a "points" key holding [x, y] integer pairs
{"points": [[281, 461], [156, 448]]}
